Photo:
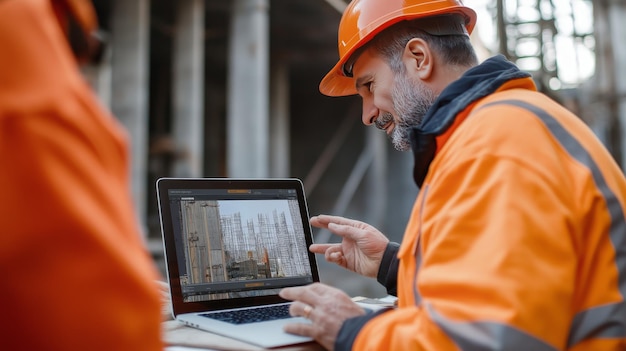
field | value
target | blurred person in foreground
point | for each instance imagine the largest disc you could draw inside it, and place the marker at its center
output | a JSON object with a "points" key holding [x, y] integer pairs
{"points": [[75, 272], [517, 239]]}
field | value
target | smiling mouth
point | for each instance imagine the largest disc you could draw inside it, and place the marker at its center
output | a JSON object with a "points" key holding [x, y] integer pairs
{"points": [[385, 126], [388, 128], [384, 122]]}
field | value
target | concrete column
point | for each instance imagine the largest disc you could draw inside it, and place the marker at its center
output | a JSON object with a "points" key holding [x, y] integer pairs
{"points": [[129, 80], [188, 88], [594, 94], [617, 11], [279, 122], [603, 98], [248, 90]]}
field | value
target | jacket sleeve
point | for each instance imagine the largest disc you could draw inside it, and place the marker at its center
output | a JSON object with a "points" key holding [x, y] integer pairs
{"points": [[497, 265], [387, 276], [351, 328], [71, 251], [388, 270]]}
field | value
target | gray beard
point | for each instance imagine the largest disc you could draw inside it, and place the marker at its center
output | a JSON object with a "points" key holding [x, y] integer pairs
{"points": [[411, 101]]}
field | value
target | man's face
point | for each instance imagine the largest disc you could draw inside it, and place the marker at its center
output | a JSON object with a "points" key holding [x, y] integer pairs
{"points": [[392, 102]]}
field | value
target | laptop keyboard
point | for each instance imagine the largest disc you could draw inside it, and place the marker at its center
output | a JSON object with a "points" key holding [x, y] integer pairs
{"points": [[251, 315]]}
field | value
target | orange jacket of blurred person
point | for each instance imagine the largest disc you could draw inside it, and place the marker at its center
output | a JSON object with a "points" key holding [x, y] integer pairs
{"points": [[75, 272]]}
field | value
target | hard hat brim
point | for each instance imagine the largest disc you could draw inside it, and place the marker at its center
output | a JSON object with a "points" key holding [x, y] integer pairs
{"points": [[336, 84]]}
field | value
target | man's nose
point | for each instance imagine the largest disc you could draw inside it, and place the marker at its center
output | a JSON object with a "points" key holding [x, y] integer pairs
{"points": [[370, 112]]}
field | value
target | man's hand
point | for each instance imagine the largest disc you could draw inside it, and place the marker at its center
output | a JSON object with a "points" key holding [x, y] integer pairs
{"points": [[326, 307], [361, 249]]}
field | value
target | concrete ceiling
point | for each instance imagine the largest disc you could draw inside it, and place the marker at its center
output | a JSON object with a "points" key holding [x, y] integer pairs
{"points": [[302, 32]]}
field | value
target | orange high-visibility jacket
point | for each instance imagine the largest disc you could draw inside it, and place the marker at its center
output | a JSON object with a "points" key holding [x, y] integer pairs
{"points": [[75, 273], [517, 240]]}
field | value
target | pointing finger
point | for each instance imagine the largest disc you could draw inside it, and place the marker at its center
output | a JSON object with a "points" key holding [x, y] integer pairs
{"points": [[323, 220], [346, 231], [320, 248]]}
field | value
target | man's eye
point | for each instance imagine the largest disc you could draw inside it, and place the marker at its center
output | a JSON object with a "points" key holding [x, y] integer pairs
{"points": [[368, 85]]}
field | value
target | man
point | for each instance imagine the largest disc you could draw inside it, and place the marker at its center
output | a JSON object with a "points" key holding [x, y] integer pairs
{"points": [[75, 273], [517, 239]]}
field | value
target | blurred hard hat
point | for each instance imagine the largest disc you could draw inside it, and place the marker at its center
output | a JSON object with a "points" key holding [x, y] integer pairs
{"points": [[80, 22], [82, 11], [363, 19]]}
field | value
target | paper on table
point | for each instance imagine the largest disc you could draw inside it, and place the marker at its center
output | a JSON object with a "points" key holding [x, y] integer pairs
{"points": [[176, 333], [387, 301]]}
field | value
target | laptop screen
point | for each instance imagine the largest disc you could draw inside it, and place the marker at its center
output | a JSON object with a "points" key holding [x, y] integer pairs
{"points": [[236, 239]]}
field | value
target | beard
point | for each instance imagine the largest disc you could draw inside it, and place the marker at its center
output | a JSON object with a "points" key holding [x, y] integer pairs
{"points": [[411, 101]]}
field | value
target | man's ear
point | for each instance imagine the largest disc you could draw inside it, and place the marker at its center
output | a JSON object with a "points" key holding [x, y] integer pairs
{"points": [[418, 59]]}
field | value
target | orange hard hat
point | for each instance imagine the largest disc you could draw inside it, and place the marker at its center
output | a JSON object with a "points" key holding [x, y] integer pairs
{"points": [[81, 10], [363, 19], [79, 20]]}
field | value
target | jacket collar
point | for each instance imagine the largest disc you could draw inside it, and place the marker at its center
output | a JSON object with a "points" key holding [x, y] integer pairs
{"points": [[475, 84]]}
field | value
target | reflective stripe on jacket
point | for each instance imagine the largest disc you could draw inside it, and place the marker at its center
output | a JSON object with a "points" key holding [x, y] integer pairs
{"points": [[517, 240]]}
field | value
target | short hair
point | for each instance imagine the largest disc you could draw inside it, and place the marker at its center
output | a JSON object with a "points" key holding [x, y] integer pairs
{"points": [[454, 49]]}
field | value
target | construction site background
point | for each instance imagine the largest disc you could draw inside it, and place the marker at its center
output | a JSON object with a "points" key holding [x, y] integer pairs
{"points": [[214, 88]]}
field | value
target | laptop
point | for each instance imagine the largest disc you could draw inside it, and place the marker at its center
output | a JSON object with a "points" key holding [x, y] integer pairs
{"points": [[230, 246]]}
